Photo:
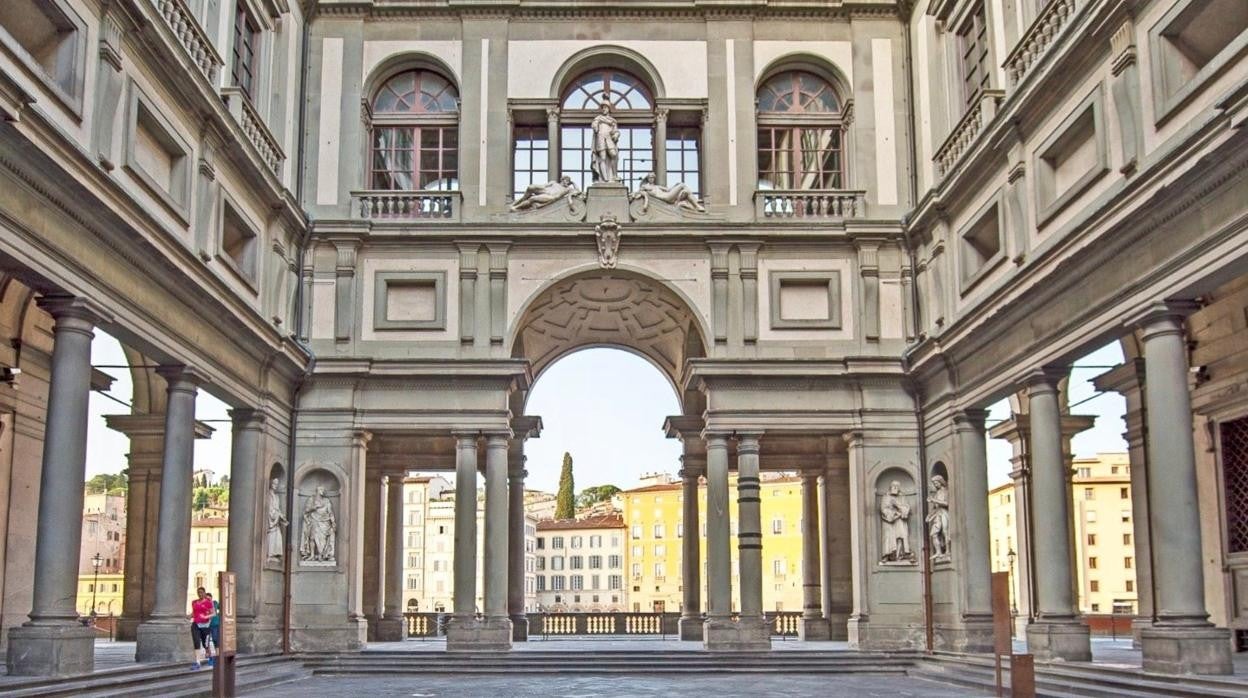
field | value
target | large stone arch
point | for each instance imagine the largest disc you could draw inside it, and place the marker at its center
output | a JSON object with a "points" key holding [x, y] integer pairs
{"points": [[617, 308]]}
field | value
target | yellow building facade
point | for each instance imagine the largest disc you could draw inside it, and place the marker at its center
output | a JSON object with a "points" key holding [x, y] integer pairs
{"points": [[1103, 530], [653, 519]]}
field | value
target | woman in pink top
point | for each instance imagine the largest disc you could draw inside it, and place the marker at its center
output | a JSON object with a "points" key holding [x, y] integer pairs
{"points": [[201, 625]]}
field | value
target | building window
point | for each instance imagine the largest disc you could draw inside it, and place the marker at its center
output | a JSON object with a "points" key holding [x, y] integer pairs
{"points": [[1096, 608], [415, 133], [1091, 539], [47, 36], [636, 531], [680, 530], [777, 567], [556, 543], [613, 561], [530, 157], [1127, 562], [973, 45], [684, 162], [541, 543], [658, 530], [1124, 493], [800, 133], [1234, 439], [541, 563], [1085, 472], [541, 582], [1092, 563], [659, 570], [1126, 515], [238, 243], [556, 582], [578, 582], [1089, 494], [246, 43], [777, 526], [633, 109], [595, 562], [595, 541], [1126, 539], [636, 569], [556, 563], [1094, 585], [615, 582], [1130, 585], [576, 541], [1091, 516], [576, 562]]}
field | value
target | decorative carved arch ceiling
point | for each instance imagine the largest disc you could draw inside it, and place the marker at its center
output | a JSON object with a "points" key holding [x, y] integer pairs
{"points": [[612, 308]]}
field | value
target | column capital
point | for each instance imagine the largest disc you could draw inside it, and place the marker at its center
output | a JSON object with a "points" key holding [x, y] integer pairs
{"points": [[1043, 379], [690, 472], [716, 439], [854, 438], [180, 378], [518, 475], [465, 435], [970, 419], [812, 476], [360, 438], [497, 439], [1161, 317], [64, 306], [747, 441], [247, 418]]}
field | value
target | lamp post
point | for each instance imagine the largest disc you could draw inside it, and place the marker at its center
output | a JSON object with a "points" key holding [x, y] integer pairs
{"points": [[1012, 556], [96, 561]]}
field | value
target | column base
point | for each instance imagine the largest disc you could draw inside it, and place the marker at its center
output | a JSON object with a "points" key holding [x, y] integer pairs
{"points": [[1059, 641], [1138, 625], [51, 650], [1185, 650], [519, 627], [478, 634], [390, 629], [324, 634], [165, 640], [814, 629], [864, 634], [126, 629], [838, 626], [745, 634], [256, 638], [971, 636], [691, 628]]}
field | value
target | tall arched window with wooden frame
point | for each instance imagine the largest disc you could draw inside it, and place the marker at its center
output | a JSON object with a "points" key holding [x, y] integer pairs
{"points": [[801, 133], [632, 106], [414, 139]]}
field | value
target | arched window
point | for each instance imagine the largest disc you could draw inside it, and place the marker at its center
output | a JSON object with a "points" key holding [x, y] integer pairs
{"points": [[800, 133], [415, 133], [633, 108]]}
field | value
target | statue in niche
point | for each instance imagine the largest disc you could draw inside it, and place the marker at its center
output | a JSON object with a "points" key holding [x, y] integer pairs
{"points": [[938, 519], [606, 149], [319, 529], [895, 513], [679, 194], [542, 195], [277, 522]]}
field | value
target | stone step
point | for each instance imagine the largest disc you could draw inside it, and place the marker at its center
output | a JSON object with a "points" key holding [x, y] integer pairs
{"points": [[161, 680], [1082, 680]]}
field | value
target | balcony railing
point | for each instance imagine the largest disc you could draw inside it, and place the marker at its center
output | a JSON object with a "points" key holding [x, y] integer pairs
{"points": [[407, 205], [254, 128], [803, 204], [192, 37], [652, 623], [1039, 36], [964, 133]]}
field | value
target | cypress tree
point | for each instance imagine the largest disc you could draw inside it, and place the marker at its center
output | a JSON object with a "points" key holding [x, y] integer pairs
{"points": [[565, 501]]}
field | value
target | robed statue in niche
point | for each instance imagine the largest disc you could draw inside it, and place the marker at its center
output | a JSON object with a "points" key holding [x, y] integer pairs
{"points": [[276, 523], [320, 528], [895, 514]]}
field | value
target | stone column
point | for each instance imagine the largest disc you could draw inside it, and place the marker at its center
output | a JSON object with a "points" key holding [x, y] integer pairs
{"points": [[166, 637], [813, 625], [690, 559], [750, 632], [391, 626], [835, 552], [552, 136], [718, 539], [374, 524], [1182, 640], [970, 535], [245, 542], [1056, 633], [496, 632], [516, 553], [660, 145], [52, 643], [461, 632]]}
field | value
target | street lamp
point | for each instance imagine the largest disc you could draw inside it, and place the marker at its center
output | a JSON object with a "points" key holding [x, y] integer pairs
{"points": [[1012, 556], [96, 561]]}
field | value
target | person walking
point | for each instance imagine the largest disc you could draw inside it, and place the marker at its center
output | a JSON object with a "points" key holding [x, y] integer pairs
{"points": [[215, 630], [201, 625]]}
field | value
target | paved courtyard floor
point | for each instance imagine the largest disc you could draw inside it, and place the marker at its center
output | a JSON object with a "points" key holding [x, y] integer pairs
{"points": [[862, 686]]}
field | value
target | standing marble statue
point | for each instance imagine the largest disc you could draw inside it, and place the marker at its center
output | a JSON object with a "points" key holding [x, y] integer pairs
{"points": [[606, 149], [896, 515], [277, 522], [679, 194], [319, 529], [938, 518]]}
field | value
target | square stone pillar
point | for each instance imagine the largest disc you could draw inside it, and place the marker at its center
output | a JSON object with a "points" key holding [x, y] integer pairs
{"points": [[691, 621], [391, 626], [813, 625], [374, 550]]}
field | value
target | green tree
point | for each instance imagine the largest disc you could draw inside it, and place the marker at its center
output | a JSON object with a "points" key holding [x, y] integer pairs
{"points": [[592, 495], [565, 501], [201, 498], [108, 482]]}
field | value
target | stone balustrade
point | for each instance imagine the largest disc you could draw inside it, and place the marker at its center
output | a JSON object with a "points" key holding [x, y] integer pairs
{"points": [[967, 130], [407, 205], [254, 129], [1039, 37], [781, 623], [798, 204], [186, 29]]}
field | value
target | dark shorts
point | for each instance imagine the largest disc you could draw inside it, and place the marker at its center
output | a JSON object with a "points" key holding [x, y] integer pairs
{"points": [[200, 636]]}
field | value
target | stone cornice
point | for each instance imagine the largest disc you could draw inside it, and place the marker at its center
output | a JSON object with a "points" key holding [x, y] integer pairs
{"points": [[662, 10]]}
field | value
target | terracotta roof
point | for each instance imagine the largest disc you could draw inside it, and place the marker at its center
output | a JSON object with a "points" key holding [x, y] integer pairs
{"points": [[655, 488], [603, 521], [209, 521]]}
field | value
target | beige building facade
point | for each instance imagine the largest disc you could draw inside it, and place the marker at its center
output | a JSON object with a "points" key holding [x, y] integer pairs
{"points": [[580, 564], [840, 229]]}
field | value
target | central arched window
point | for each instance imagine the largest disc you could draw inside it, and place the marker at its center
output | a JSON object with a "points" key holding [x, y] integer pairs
{"points": [[414, 142], [631, 105], [801, 142]]}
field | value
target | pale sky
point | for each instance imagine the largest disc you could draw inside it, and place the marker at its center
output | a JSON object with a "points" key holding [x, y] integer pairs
{"points": [[604, 406]]}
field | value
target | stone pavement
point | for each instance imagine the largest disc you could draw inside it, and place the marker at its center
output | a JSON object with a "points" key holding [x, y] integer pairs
{"points": [[434, 686]]}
